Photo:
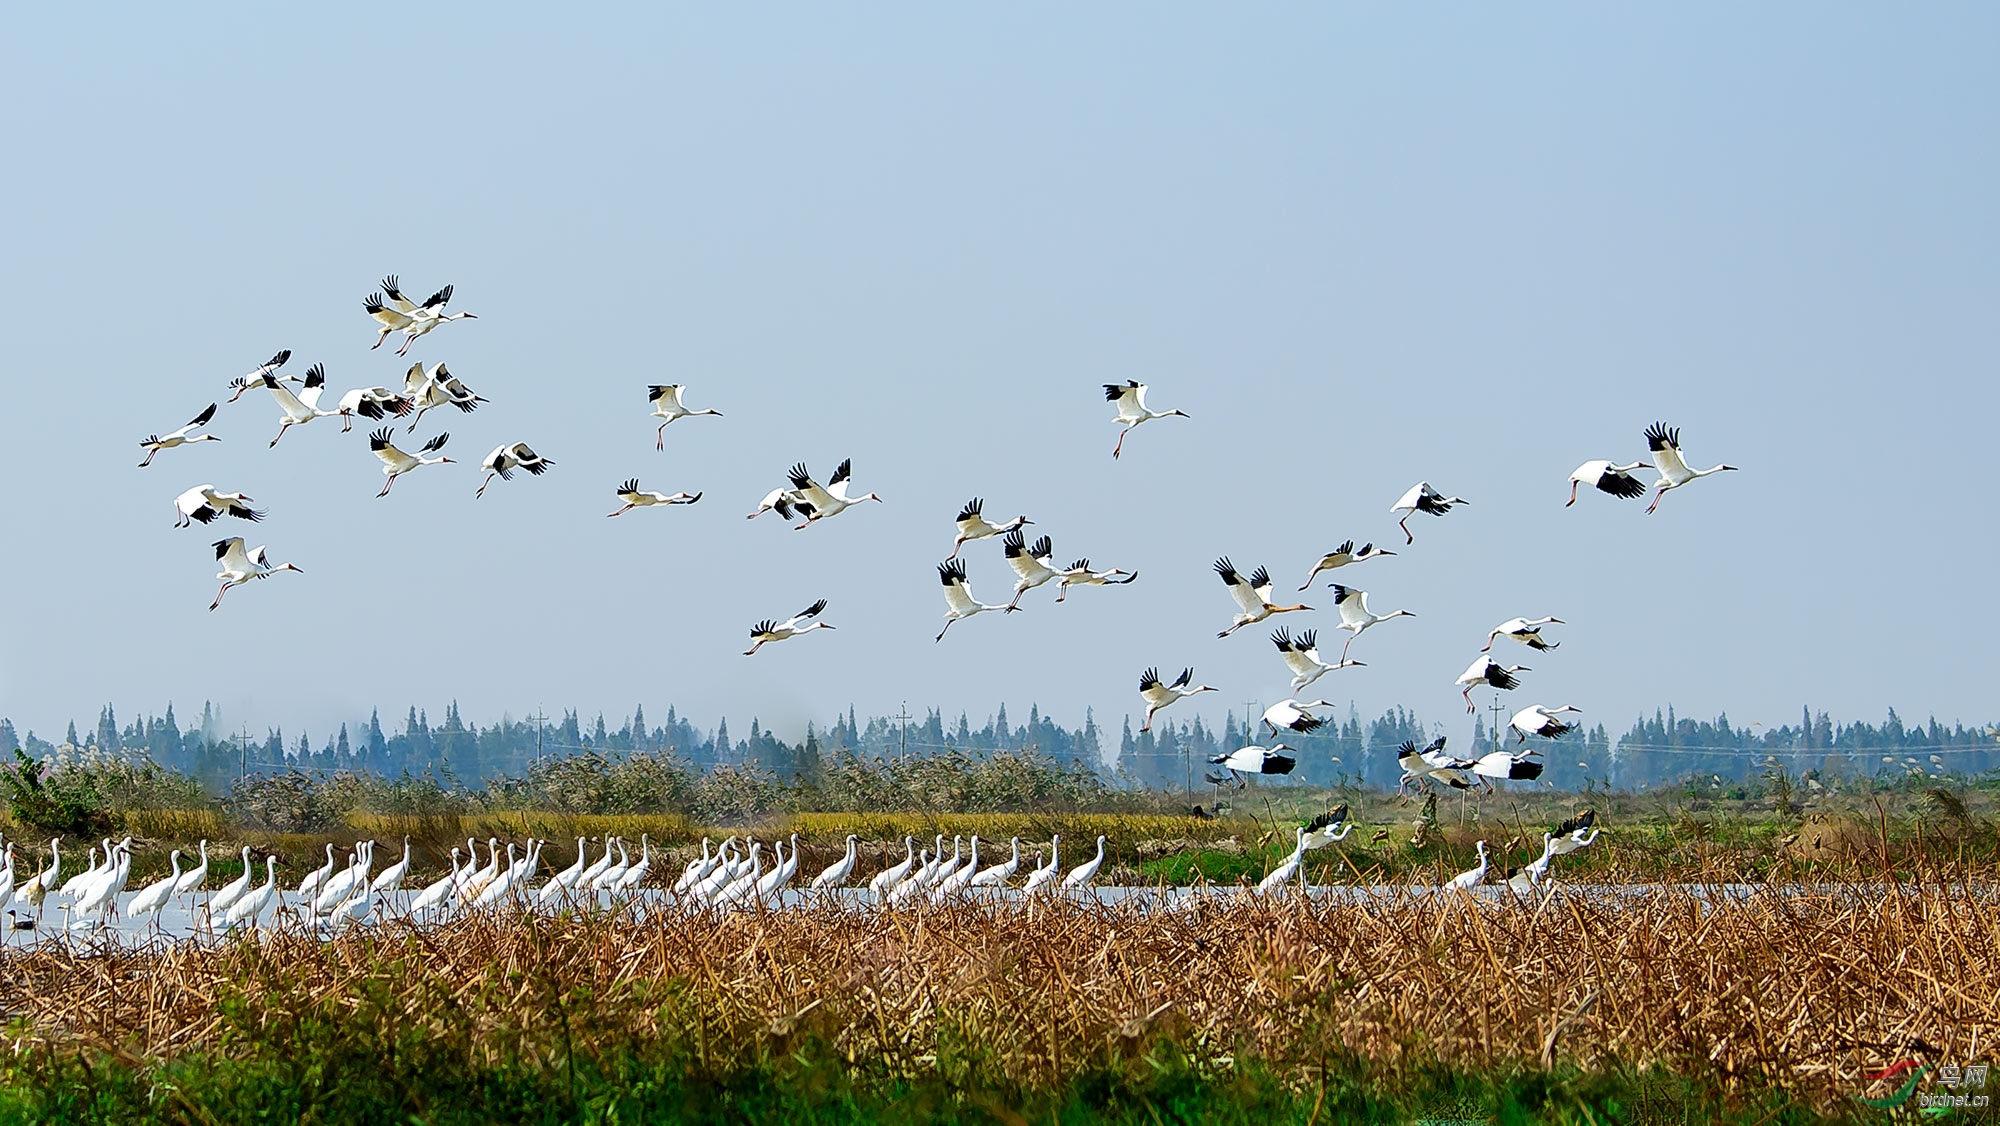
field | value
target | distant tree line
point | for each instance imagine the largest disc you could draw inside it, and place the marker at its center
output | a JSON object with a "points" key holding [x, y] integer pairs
{"points": [[1661, 750]]}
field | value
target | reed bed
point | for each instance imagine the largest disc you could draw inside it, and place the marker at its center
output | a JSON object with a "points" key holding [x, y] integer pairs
{"points": [[1798, 993]]}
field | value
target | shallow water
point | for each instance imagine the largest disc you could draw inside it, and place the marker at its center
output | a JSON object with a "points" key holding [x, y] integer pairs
{"points": [[186, 918]]}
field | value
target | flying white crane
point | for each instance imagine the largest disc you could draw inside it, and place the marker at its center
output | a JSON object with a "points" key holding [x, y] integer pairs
{"points": [[504, 460], [1527, 631], [1274, 759], [785, 502], [1131, 399], [255, 376], [1515, 767], [1283, 873], [202, 503], [769, 630], [1575, 833], [1302, 657], [1328, 828], [1355, 616], [972, 525], [824, 503], [1343, 555], [666, 400], [372, 403], [958, 600], [1291, 715], [302, 407], [1031, 565], [1431, 763], [438, 387], [635, 497], [1253, 594], [836, 873], [1470, 878], [1538, 720], [1422, 498], [1607, 477], [395, 462], [240, 566], [1487, 671], [1158, 696], [1080, 574], [1665, 442], [411, 319], [174, 439]]}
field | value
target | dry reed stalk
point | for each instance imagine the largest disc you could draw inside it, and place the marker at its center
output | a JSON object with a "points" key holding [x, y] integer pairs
{"points": [[1797, 991]]}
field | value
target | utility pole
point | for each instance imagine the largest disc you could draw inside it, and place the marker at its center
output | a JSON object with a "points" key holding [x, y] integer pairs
{"points": [[903, 727], [1249, 722], [1498, 709], [539, 718]]}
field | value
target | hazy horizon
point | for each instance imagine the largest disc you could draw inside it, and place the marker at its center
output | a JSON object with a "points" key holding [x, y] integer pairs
{"points": [[1360, 247]]}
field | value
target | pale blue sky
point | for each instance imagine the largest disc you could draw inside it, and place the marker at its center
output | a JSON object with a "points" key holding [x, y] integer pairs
{"points": [[1361, 246]]}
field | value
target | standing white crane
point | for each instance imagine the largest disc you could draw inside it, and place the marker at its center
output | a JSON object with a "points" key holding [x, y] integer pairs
{"points": [[1422, 498], [1283, 873], [1274, 759], [1665, 442], [254, 901], [1607, 477], [395, 462], [391, 879], [1302, 657], [1041, 878], [1158, 695], [997, 875], [1291, 715], [504, 460], [836, 873], [438, 891], [227, 895], [635, 497], [1527, 631], [153, 896], [1487, 671], [202, 503], [1253, 594], [240, 566], [1031, 565], [1355, 616], [1342, 556], [824, 503], [891, 876], [407, 317], [174, 439], [972, 525], [302, 407], [1538, 720], [1470, 878], [769, 630], [1080, 876], [666, 400], [958, 600], [1131, 399], [191, 879], [1080, 574]]}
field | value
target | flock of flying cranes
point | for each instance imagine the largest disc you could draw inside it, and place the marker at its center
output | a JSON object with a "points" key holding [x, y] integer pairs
{"points": [[804, 498]]}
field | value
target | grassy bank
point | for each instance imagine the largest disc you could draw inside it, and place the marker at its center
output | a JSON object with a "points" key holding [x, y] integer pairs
{"points": [[1767, 1010]]}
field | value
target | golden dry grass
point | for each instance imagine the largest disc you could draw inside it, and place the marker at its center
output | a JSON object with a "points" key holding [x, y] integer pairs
{"points": [[1800, 991]]}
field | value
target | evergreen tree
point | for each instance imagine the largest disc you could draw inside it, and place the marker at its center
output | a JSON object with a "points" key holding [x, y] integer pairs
{"points": [[9, 742], [71, 737]]}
